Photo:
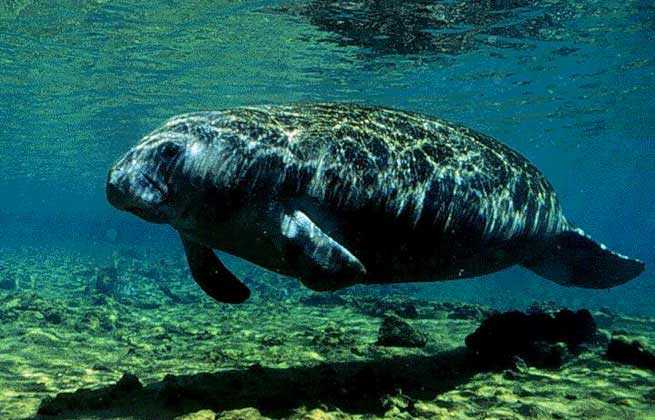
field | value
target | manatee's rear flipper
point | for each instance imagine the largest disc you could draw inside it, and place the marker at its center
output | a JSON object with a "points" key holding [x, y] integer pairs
{"points": [[212, 276], [324, 263], [573, 259]]}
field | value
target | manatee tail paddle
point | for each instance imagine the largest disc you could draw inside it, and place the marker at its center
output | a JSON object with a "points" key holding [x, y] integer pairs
{"points": [[572, 258]]}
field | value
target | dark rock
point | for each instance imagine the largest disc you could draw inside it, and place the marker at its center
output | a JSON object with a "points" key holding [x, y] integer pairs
{"points": [[532, 336], [531, 411], [174, 390], [53, 317], [573, 328], [127, 383], [549, 355], [631, 353], [90, 399], [396, 332]]}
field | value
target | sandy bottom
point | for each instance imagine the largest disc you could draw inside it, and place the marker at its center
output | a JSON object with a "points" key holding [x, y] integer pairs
{"points": [[282, 354]]}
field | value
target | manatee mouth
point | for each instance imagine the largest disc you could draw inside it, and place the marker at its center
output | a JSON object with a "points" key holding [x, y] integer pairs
{"points": [[158, 215], [152, 183], [139, 194]]}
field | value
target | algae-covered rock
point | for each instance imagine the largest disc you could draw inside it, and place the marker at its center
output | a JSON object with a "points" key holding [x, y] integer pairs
{"points": [[199, 415], [248, 413], [531, 336], [631, 353], [396, 332]]}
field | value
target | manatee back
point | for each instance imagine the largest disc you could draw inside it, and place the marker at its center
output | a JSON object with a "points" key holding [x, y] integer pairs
{"points": [[419, 170]]}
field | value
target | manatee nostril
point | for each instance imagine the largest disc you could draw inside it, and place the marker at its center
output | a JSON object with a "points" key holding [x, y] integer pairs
{"points": [[115, 175]]}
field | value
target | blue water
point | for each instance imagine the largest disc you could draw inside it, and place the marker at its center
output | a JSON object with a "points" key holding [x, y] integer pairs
{"points": [[569, 86]]}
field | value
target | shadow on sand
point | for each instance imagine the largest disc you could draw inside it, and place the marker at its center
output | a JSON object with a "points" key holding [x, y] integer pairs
{"points": [[355, 387]]}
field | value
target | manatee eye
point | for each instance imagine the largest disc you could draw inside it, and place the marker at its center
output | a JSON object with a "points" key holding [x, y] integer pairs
{"points": [[170, 151]]}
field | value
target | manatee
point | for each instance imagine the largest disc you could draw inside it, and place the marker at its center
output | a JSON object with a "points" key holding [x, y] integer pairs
{"points": [[342, 194]]}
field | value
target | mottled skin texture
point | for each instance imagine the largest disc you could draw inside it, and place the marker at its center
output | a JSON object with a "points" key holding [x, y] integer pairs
{"points": [[412, 197]]}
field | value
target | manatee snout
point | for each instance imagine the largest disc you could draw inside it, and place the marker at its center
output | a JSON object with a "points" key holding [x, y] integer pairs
{"points": [[135, 187]]}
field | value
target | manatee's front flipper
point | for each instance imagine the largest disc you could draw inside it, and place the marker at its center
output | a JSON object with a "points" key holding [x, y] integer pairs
{"points": [[212, 276], [322, 262], [573, 259]]}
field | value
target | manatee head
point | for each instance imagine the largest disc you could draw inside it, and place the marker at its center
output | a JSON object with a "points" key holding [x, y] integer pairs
{"points": [[155, 179]]}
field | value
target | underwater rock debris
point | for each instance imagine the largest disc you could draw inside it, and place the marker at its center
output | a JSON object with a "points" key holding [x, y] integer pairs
{"points": [[631, 353], [396, 332], [533, 337]]}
